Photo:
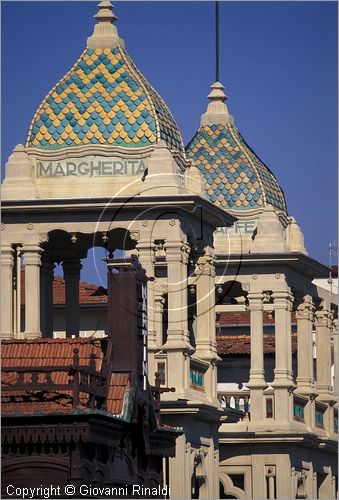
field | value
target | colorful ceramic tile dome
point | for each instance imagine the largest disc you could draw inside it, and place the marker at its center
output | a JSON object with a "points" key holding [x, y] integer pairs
{"points": [[235, 178], [103, 99]]}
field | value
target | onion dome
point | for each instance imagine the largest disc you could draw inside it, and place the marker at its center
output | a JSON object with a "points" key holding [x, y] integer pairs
{"points": [[103, 99], [235, 178]]}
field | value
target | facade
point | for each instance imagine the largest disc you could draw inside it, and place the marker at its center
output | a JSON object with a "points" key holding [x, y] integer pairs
{"points": [[104, 165], [78, 415]]}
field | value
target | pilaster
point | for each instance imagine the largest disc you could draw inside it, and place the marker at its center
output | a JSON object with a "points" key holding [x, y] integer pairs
{"points": [[32, 263], [257, 383], [283, 381], [323, 322], [205, 303], [305, 377], [177, 333], [7, 310]]}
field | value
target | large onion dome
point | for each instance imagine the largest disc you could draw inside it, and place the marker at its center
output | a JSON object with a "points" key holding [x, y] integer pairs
{"points": [[235, 178], [103, 99]]}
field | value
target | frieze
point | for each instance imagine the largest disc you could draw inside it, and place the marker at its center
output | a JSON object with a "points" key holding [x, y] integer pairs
{"points": [[91, 166]]}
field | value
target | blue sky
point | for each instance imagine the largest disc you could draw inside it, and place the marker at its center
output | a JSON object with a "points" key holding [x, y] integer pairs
{"points": [[278, 64]]}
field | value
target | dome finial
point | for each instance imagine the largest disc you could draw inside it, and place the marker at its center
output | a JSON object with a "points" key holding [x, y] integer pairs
{"points": [[105, 33], [105, 13], [217, 111]]}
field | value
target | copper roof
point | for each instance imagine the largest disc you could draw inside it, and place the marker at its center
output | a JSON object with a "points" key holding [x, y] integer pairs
{"points": [[240, 345], [55, 352]]}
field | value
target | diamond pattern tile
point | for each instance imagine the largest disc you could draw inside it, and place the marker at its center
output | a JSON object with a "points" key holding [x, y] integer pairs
{"points": [[235, 178], [103, 99]]}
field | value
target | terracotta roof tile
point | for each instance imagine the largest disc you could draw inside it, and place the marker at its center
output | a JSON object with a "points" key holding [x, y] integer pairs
{"points": [[241, 344], [243, 318], [53, 352], [88, 294]]}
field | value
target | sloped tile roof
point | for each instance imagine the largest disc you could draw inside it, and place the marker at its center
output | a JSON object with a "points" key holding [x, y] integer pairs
{"points": [[235, 177], [88, 294], [103, 99], [240, 345], [243, 318], [54, 352]]}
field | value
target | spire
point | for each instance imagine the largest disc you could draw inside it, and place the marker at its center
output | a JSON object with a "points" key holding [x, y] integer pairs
{"points": [[105, 34], [217, 111]]}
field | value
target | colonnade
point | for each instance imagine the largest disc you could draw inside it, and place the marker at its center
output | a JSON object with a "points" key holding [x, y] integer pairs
{"points": [[316, 386], [38, 293]]}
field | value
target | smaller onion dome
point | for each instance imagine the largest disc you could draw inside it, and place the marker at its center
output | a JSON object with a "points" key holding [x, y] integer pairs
{"points": [[235, 178], [103, 100]]}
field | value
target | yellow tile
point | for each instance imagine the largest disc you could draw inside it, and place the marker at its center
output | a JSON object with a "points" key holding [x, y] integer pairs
{"points": [[106, 120]]}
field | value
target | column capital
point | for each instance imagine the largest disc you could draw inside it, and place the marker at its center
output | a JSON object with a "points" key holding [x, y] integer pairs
{"points": [[32, 255], [7, 255], [205, 265], [283, 299], [305, 309], [323, 318], [255, 300], [176, 251]]}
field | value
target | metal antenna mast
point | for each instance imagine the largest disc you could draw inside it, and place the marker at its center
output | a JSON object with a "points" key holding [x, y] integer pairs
{"points": [[216, 40]]}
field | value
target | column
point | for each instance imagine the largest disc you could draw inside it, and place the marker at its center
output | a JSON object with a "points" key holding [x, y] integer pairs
{"points": [[323, 321], [335, 356], [177, 346], [177, 258], [205, 303], [257, 382], [47, 274], [72, 268], [7, 265], [32, 263], [283, 381], [305, 378]]}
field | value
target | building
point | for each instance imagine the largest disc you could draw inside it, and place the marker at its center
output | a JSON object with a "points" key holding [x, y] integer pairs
{"points": [[104, 165], [79, 412]]}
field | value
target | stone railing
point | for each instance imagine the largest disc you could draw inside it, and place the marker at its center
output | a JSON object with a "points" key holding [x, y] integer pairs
{"points": [[238, 400]]}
